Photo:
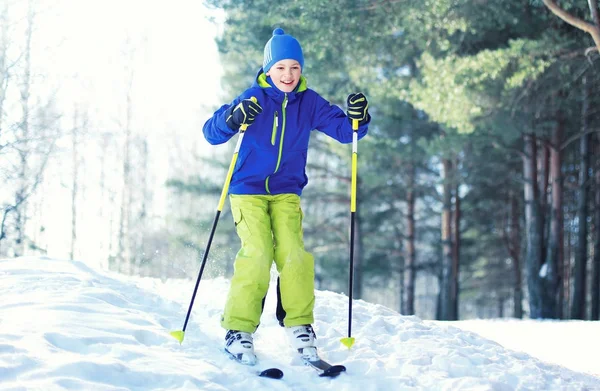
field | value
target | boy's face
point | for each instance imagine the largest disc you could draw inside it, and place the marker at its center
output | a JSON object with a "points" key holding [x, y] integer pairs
{"points": [[285, 74]]}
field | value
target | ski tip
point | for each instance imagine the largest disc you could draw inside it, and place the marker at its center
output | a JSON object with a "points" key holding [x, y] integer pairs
{"points": [[347, 342], [178, 335], [272, 373]]}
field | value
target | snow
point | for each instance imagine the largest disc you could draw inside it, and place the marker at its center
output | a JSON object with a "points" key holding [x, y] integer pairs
{"points": [[66, 326], [573, 344]]}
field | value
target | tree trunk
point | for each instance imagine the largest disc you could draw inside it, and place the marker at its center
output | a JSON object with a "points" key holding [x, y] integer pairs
{"points": [[454, 291], [446, 286], [500, 304], [555, 250], [515, 254], [543, 182], [567, 273], [579, 272], [145, 198], [4, 77], [24, 151], [596, 263], [409, 260], [124, 243], [3, 64], [533, 260], [75, 183], [105, 248]]}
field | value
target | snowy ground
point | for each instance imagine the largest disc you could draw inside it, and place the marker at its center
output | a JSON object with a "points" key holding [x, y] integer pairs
{"points": [[572, 344], [65, 326]]}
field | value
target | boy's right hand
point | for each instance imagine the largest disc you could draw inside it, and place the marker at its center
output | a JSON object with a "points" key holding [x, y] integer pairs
{"points": [[242, 114]]}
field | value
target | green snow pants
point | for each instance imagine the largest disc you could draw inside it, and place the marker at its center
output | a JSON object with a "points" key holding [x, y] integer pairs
{"points": [[270, 228]]}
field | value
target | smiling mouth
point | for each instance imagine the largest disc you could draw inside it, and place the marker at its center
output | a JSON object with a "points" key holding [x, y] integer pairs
{"points": [[287, 82]]}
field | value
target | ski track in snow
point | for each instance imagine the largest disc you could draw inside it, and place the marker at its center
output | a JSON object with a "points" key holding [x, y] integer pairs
{"points": [[66, 326]]}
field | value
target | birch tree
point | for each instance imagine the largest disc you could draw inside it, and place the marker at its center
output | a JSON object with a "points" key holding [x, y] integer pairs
{"points": [[31, 139]]}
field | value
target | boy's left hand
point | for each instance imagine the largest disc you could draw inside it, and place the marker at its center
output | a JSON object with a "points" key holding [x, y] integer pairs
{"points": [[358, 107]]}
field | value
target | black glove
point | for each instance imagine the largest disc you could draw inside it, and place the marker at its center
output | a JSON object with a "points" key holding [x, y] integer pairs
{"points": [[358, 108], [242, 114]]}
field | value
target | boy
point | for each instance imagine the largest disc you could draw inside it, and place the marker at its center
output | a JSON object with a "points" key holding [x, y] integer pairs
{"points": [[265, 192]]}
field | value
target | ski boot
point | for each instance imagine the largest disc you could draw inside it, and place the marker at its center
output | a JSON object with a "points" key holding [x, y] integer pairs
{"points": [[240, 347]]}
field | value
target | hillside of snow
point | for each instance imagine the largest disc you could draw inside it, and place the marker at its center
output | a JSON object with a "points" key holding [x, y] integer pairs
{"points": [[66, 326]]}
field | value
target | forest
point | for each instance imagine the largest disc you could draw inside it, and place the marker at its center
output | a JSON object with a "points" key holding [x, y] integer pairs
{"points": [[478, 183]]}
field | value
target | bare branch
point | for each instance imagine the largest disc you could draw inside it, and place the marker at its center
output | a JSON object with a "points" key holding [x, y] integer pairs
{"points": [[592, 29], [577, 136], [567, 17]]}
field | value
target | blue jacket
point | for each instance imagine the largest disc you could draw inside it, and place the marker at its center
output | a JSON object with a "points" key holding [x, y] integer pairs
{"points": [[272, 157]]}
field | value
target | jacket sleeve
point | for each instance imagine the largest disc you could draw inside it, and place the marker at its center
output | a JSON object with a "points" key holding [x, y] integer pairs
{"points": [[332, 121], [215, 128]]}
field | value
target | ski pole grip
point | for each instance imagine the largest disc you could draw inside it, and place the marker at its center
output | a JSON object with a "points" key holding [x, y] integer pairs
{"points": [[243, 127]]}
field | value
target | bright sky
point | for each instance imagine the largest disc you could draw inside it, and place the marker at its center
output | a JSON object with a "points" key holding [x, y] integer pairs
{"points": [[169, 44], [65, 325]]}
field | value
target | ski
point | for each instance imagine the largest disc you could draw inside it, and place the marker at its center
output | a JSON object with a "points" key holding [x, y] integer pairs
{"points": [[270, 373], [311, 359], [324, 368]]}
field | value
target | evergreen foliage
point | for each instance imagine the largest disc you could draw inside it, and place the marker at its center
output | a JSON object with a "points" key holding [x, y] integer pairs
{"points": [[452, 83]]}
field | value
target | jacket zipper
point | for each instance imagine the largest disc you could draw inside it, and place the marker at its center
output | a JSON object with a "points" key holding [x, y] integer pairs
{"points": [[283, 106], [275, 124]]}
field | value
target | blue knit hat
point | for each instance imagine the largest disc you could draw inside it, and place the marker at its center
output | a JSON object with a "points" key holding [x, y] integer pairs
{"points": [[282, 46]]}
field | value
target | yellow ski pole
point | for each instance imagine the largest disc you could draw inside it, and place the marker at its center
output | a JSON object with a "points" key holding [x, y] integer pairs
{"points": [[349, 341], [180, 334]]}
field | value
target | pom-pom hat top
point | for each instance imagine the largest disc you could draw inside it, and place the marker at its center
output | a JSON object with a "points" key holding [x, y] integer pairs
{"points": [[282, 46]]}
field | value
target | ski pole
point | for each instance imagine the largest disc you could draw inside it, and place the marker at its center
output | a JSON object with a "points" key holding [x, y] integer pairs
{"points": [[180, 334], [349, 341]]}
